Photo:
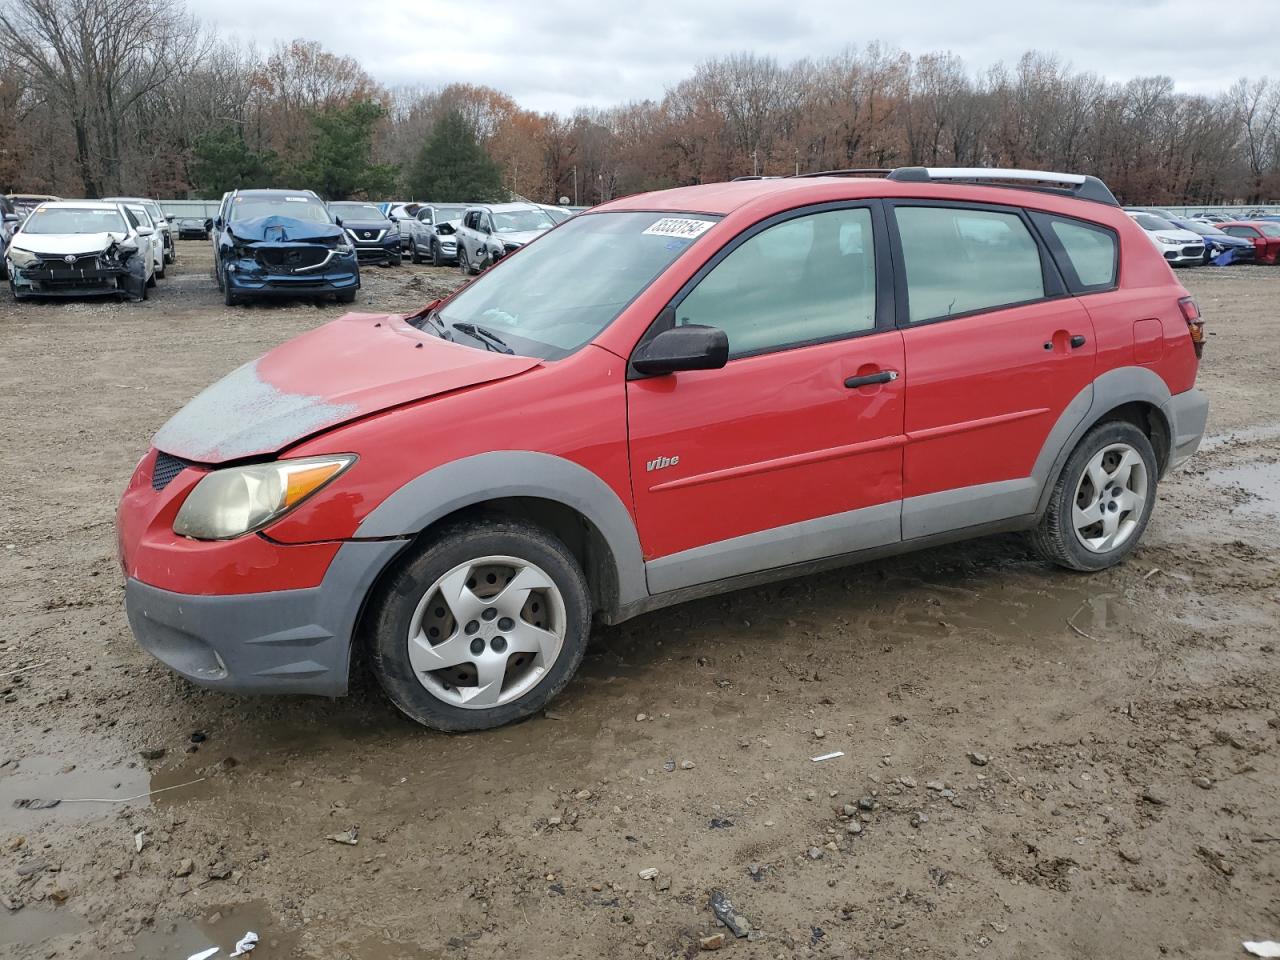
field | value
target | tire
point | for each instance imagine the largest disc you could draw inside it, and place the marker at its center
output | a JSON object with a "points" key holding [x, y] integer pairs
{"points": [[160, 269], [396, 260], [463, 265], [228, 297], [347, 296], [413, 252], [437, 259], [529, 649], [1115, 456]]}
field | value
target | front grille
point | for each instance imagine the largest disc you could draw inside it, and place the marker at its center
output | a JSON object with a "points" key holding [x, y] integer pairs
{"points": [[292, 258], [1196, 251], [52, 261], [165, 469]]}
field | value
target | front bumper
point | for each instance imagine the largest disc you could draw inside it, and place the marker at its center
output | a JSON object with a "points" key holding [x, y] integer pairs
{"points": [[1187, 414], [250, 278], [49, 281], [375, 253], [284, 641], [1191, 253]]}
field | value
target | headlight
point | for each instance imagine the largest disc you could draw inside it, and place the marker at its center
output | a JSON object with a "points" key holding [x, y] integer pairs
{"points": [[1172, 243], [23, 259], [343, 249], [238, 500]]}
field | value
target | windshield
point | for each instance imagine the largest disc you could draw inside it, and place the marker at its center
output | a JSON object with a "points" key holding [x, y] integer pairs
{"points": [[153, 208], [1148, 221], [443, 214], [558, 215], [356, 211], [1201, 228], [559, 292], [299, 208], [144, 218], [521, 221], [1270, 229], [74, 220]]}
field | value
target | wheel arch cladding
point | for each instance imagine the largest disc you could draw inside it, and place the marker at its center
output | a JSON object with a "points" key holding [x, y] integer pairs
{"points": [[539, 487], [1135, 394]]}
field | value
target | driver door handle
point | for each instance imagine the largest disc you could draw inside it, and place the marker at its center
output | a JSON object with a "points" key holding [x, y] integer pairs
{"points": [[884, 376]]}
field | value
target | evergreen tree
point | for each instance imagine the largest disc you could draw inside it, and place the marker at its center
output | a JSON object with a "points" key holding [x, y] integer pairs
{"points": [[222, 161], [452, 165], [340, 165]]}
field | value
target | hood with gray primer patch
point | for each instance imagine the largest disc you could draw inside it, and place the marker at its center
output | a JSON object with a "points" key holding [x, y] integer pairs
{"points": [[354, 366], [278, 229], [242, 415]]}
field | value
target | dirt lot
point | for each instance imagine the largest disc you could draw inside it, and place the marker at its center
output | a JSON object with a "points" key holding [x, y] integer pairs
{"points": [[1036, 763]]}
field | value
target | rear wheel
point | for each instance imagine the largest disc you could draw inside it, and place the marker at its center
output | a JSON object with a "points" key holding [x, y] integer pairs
{"points": [[481, 627], [1102, 501]]}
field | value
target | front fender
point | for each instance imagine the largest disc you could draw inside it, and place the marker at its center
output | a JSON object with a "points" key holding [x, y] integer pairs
{"points": [[450, 487]]}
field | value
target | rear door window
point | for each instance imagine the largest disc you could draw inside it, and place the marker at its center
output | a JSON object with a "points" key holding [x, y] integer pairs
{"points": [[961, 260]]}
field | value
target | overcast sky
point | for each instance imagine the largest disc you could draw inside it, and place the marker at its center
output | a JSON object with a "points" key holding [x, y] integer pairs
{"points": [[559, 55]]}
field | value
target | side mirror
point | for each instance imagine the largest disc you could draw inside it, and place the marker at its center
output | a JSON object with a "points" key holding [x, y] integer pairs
{"points": [[12, 218], [144, 231], [218, 223], [393, 218], [691, 347], [337, 221], [128, 248], [208, 225]]}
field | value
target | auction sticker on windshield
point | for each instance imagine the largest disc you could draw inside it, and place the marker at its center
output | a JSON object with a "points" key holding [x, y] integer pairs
{"points": [[679, 227]]}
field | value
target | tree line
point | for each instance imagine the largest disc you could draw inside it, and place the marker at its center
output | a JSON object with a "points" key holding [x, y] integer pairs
{"points": [[134, 96]]}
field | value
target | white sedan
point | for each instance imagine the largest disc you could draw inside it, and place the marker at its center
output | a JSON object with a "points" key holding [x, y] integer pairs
{"points": [[1180, 247], [81, 248]]}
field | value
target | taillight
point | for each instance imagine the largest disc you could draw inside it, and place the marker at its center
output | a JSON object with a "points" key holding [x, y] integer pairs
{"points": [[1191, 313]]}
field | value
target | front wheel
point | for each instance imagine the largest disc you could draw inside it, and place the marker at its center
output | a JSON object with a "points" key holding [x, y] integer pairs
{"points": [[481, 627], [228, 296], [413, 252], [1102, 501]]}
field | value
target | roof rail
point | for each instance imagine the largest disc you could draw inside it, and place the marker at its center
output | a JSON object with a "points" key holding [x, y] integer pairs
{"points": [[849, 172], [1077, 185]]}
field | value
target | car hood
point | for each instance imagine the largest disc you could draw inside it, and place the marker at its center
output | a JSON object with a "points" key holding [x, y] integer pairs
{"points": [[521, 237], [278, 229], [1226, 240], [357, 365], [64, 243]]}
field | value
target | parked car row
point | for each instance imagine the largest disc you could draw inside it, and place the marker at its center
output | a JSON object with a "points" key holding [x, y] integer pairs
{"points": [[1193, 241]]}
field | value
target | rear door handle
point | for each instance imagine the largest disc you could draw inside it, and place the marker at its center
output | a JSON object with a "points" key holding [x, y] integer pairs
{"points": [[884, 376]]}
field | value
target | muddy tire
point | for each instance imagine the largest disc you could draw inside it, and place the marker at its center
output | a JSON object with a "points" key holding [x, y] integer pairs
{"points": [[228, 297], [1102, 500], [413, 252], [347, 296], [481, 626]]}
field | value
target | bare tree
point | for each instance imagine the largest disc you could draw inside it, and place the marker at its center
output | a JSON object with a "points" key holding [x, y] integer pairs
{"points": [[97, 60]]}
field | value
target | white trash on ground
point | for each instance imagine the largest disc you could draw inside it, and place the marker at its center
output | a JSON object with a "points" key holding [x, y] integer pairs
{"points": [[1263, 948]]}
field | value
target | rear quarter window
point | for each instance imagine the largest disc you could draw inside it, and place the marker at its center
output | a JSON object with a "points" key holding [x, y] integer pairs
{"points": [[1087, 253]]}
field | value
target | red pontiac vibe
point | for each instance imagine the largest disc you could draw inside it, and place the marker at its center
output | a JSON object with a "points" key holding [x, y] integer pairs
{"points": [[671, 395]]}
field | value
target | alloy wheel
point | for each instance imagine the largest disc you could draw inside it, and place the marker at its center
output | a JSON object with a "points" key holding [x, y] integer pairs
{"points": [[1110, 498], [487, 632]]}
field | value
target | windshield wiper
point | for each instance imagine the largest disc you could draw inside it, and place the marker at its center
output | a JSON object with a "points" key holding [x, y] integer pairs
{"points": [[490, 339], [437, 325]]}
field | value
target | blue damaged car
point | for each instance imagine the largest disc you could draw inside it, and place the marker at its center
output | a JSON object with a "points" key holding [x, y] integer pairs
{"points": [[281, 243]]}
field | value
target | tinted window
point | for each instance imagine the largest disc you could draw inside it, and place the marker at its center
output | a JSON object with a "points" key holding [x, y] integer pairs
{"points": [[1248, 232], [804, 280], [1270, 229], [958, 261], [1091, 251]]}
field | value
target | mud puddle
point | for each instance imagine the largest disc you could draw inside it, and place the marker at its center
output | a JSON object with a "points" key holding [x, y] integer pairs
{"points": [[1260, 484], [58, 778], [217, 926], [33, 926]]}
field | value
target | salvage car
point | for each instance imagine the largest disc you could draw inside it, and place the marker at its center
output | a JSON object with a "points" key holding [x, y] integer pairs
{"points": [[24, 203], [1179, 246], [281, 243], [374, 234], [431, 234], [81, 248], [489, 232], [1217, 242], [752, 381], [1263, 234], [9, 221], [159, 219], [194, 228]]}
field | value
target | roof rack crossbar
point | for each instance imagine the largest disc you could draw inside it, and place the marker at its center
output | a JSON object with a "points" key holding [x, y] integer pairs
{"points": [[1077, 185]]}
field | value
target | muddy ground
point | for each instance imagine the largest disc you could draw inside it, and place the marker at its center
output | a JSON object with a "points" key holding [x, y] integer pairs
{"points": [[1036, 763]]}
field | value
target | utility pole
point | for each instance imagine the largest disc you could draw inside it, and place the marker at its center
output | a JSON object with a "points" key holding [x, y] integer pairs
{"points": [[755, 164], [575, 185]]}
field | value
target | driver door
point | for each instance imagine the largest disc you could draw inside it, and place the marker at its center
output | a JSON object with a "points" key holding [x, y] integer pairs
{"points": [[793, 450]]}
